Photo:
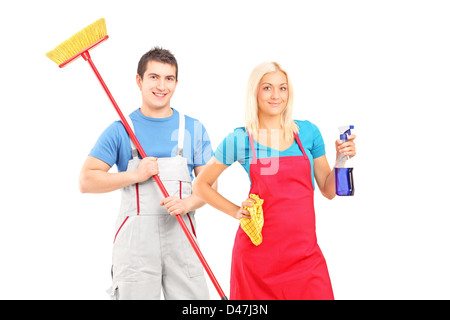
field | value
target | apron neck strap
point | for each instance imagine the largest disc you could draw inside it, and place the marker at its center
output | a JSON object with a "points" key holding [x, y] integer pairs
{"points": [[300, 145], [181, 128], [250, 138]]}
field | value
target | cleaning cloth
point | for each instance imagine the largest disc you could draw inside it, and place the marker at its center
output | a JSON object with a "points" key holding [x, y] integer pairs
{"points": [[253, 226]]}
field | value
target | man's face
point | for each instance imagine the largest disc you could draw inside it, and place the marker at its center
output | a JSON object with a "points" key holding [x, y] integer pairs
{"points": [[157, 84]]}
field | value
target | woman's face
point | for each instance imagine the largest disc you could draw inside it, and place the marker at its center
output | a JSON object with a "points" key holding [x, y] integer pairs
{"points": [[273, 94]]}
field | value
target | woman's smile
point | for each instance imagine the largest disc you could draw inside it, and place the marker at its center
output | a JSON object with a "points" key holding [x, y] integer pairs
{"points": [[274, 104]]}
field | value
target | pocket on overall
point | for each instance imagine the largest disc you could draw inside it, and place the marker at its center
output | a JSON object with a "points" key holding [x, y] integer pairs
{"points": [[120, 225], [179, 187], [150, 195], [126, 236], [182, 188], [172, 172], [135, 290], [194, 266]]}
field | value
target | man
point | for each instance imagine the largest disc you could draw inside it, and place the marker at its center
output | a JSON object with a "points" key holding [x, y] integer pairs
{"points": [[151, 253]]}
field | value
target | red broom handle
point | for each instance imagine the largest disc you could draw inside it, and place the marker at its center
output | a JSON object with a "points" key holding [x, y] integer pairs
{"points": [[188, 234]]}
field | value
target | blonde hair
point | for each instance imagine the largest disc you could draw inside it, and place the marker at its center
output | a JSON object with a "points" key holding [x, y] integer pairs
{"points": [[288, 125]]}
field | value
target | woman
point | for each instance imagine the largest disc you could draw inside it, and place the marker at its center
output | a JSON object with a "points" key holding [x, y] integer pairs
{"points": [[281, 156]]}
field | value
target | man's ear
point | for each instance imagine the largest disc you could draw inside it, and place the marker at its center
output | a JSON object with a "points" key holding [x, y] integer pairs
{"points": [[139, 81]]}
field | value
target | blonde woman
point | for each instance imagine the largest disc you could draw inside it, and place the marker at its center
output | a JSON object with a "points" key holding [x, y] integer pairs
{"points": [[281, 156]]}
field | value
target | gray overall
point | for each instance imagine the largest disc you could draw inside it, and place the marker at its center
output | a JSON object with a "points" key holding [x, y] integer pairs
{"points": [[151, 252]]}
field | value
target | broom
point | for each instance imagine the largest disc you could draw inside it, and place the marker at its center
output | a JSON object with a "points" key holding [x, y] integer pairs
{"points": [[79, 45]]}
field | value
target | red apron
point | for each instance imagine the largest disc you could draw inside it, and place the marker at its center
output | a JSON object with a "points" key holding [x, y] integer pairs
{"points": [[288, 264]]}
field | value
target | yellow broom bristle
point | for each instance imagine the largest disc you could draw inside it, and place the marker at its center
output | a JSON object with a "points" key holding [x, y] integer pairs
{"points": [[78, 42]]}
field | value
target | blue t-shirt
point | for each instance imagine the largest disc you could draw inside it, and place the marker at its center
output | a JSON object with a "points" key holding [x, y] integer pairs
{"points": [[236, 147], [158, 137]]}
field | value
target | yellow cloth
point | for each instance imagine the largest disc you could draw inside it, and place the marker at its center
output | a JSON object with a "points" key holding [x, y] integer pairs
{"points": [[253, 226]]}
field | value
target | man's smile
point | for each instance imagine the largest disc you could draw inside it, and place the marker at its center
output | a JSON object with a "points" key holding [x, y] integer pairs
{"points": [[159, 94]]}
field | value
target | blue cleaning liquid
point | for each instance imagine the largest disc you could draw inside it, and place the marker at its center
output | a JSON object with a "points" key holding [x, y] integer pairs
{"points": [[344, 181]]}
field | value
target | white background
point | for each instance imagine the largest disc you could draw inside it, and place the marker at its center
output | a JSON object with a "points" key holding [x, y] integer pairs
{"points": [[383, 66]]}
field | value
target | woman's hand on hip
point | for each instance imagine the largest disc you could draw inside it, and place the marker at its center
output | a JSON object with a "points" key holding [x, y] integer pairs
{"points": [[242, 213]]}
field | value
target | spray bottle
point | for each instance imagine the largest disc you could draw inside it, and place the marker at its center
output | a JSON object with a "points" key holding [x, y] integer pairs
{"points": [[344, 168]]}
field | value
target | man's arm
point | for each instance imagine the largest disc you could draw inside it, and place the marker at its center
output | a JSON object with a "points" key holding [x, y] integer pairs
{"points": [[95, 178]]}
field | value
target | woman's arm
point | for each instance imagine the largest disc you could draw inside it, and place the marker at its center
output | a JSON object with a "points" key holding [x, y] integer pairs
{"points": [[324, 177], [203, 188]]}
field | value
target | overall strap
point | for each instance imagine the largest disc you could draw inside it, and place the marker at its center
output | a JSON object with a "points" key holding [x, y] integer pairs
{"points": [[134, 151], [181, 128]]}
